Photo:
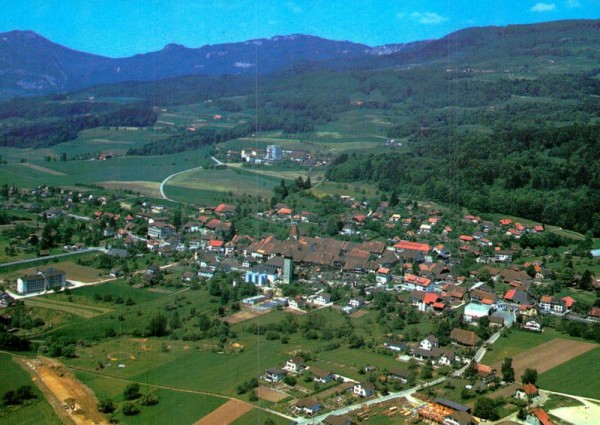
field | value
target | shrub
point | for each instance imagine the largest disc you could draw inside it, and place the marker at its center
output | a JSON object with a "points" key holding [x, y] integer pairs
{"points": [[130, 409]]}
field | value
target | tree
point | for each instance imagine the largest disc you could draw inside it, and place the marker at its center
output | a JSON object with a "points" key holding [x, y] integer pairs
{"points": [[130, 409], [427, 371], [508, 372], [157, 325], [106, 406], [132, 392], [486, 408], [529, 376], [471, 370]]}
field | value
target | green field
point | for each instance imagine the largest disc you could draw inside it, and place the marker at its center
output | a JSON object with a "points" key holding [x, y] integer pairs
{"points": [[87, 312], [258, 417], [35, 412], [563, 378], [189, 407], [192, 186]]}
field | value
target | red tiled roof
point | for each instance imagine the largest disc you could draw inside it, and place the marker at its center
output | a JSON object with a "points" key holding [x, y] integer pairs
{"points": [[594, 312], [383, 270], [568, 301], [430, 298], [216, 243], [487, 301], [421, 281], [547, 299], [529, 389], [510, 294], [414, 246], [505, 221], [542, 416], [439, 306], [538, 228], [466, 238]]}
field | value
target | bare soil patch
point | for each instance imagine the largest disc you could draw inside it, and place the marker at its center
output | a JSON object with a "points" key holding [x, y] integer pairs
{"points": [[270, 394], [160, 290], [144, 187], [548, 355], [359, 313], [72, 401], [226, 414], [42, 169], [242, 316]]}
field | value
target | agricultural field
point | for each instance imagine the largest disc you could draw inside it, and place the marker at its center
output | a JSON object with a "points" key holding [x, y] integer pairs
{"points": [[516, 342], [548, 355], [34, 412], [191, 186], [578, 376], [73, 270], [257, 416]]}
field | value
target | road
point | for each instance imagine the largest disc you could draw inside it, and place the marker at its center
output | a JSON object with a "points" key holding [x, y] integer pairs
{"points": [[50, 257], [162, 184]]}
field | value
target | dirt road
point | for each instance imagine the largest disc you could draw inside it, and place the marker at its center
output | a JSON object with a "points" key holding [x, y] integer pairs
{"points": [[72, 401]]}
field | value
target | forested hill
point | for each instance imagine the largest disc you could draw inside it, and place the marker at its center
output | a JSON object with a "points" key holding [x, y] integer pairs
{"points": [[547, 174], [33, 65]]}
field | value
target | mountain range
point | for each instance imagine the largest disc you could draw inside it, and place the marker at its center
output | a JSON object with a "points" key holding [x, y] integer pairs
{"points": [[32, 65]]}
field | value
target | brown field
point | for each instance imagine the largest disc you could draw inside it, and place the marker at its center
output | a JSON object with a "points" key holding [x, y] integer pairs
{"points": [[269, 394], [226, 414], [144, 187], [548, 355], [242, 316], [72, 401], [359, 313], [42, 169]]}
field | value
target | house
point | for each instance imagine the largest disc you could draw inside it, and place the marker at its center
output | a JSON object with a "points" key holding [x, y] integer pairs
{"points": [[429, 343], [307, 405], [295, 365], [275, 375], [448, 358], [225, 210], [526, 392], [464, 338], [413, 282], [356, 302], [159, 230], [594, 314], [363, 389], [322, 299], [297, 302], [401, 375], [532, 325], [422, 355], [452, 405], [485, 373], [503, 256], [538, 416], [395, 345], [425, 301], [320, 375], [383, 276], [518, 297], [551, 304]]}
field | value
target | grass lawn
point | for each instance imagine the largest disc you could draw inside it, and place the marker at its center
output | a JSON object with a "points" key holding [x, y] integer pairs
{"points": [[86, 312], [35, 412], [73, 270], [579, 376], [386, 420]]}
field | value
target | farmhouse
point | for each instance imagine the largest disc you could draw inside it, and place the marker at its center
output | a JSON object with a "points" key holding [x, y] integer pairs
{"points": [[320, 375], [464, 338], [526, 392], [551, 304], [401, 375]]}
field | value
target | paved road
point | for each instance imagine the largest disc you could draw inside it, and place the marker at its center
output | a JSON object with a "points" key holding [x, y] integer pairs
{"points": [[50, 257], [162, 184]]}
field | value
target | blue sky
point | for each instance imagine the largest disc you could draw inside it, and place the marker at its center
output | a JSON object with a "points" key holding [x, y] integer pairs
{"points": [[120, 28]]}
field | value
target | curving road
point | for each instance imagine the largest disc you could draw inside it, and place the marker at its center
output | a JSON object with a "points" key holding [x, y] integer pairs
{"points": [[162, 184]]}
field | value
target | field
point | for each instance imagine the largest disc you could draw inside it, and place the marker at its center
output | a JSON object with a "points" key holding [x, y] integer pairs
{"points": [[39, 411], [579, 376], [87, 312], [192, 186], [548, 355], [226, 413], [517, 342], [269, 394], [256, 416], [73, 270]]}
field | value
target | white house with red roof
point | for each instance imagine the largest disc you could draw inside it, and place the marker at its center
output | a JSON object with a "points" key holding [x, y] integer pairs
{"points": [[383, 276]]}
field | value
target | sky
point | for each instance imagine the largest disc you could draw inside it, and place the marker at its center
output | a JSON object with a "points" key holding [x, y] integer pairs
{"points": [[120, 28]]}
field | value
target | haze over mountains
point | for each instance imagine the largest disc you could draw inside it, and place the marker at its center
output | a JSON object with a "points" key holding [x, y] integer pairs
{"points": [[32, 65]]}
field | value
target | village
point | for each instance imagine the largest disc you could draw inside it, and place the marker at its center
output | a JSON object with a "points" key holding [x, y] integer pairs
{"points": [[473, 276]]}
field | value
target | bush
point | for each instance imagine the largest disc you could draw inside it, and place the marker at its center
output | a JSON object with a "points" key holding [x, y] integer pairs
{"points": [[106, 406], [149, 400], [132, 392], [130, 409]]}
